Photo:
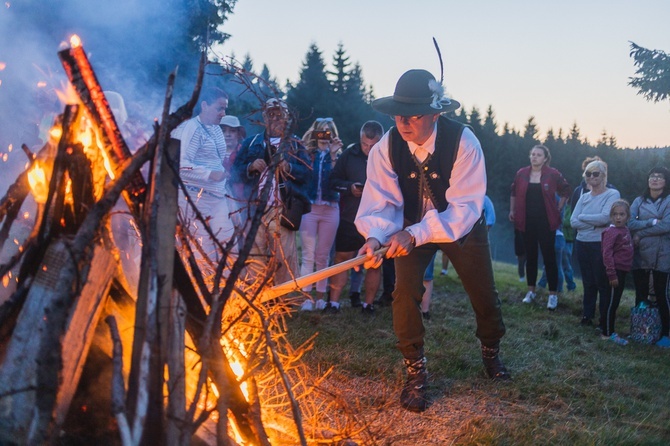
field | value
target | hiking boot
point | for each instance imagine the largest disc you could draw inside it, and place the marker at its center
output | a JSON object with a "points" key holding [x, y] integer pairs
{"points": [[368, 310], [413, 394], [530, 297], [330, 309], [552, 303], [385, 300], [355, 299], [495, 369]]}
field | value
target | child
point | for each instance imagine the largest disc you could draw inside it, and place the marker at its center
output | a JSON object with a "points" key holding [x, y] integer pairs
{"points": [[617, 248]]}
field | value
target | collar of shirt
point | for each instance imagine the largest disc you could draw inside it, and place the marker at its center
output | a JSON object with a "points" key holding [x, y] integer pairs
{"points": [[428, 145]]}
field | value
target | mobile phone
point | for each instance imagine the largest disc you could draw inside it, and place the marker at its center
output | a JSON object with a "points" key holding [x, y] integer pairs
{"points": [[322, 135]]}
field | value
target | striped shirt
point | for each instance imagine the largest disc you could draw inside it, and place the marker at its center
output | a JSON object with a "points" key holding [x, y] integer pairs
{"points": [[203, 150]]}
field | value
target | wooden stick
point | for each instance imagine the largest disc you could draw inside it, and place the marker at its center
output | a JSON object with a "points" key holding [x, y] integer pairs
{"points": [[301, 282]]}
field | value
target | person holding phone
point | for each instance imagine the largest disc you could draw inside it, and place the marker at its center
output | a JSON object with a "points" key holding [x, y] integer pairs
{"points": [[318, 227], [348, 178]]}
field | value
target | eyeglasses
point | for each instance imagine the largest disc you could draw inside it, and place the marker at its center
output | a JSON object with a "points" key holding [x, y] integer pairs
{"points": [[595, 174], [408, 118], [656, 177], [275, 115], [324, 119]]}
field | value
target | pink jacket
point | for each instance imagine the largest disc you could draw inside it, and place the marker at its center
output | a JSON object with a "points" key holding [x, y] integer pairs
{"points": [[617, 248], [553, 184]]}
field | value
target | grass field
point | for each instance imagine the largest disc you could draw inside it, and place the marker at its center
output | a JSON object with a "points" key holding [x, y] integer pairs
{"points": [[569, 387]]}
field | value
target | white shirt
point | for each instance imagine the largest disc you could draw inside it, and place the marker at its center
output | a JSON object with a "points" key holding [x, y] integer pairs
{"points": [[380, 214], [203, 149]]}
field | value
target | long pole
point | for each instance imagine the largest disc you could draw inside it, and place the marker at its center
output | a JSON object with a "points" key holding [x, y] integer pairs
{"points": [[301, 282]]}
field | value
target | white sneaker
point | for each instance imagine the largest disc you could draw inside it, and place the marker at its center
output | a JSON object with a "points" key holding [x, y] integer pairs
{"points": [[530, 296], [552, 303], [320, 304], [307, 305]]}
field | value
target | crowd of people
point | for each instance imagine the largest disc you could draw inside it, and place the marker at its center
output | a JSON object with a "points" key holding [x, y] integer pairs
{"points": [[413, 190], [610, 236]]}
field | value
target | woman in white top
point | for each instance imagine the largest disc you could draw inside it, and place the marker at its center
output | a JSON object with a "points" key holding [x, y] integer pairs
{"points": [[590, 218]]}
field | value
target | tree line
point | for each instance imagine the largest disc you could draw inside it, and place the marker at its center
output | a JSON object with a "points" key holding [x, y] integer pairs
{"points": [[338, 90]]}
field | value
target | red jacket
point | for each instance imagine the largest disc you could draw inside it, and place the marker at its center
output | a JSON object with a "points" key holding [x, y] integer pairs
{"points": [[553, 184]]}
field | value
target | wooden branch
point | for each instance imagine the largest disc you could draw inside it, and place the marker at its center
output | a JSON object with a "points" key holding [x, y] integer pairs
{"points": [[301, 282], [118, 386]]}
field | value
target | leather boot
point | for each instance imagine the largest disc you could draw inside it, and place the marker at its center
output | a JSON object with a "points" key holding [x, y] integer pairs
{"points": [[413, 394], [495, 369]]}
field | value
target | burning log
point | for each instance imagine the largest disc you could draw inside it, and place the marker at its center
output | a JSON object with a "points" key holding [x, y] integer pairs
{"points": [[82, 77]]}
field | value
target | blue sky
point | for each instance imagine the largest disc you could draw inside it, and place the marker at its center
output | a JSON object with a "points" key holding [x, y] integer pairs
{"points": [[562, 62]]}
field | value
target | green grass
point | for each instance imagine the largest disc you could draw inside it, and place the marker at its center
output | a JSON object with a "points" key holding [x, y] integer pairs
{"points": [[570, 387]]}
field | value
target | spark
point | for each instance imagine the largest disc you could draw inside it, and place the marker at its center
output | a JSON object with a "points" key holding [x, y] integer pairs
{"points": [[10, 147], [3, 65], [4, 157], [26, 215], [75, 41], [41, 84]]}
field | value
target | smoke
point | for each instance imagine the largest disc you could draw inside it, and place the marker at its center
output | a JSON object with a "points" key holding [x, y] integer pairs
{"points": [[132, 45]]}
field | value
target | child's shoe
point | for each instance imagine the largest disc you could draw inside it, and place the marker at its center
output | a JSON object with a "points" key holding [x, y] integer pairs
{"points": [[618, 339], [664, 342], [530, 296], [307, 305]]}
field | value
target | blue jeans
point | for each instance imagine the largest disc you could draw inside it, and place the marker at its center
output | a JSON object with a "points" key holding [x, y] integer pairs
{"points": [[566, 265]]}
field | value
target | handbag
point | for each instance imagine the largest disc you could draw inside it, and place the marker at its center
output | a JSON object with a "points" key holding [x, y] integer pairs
{"points": [[645, 324], [294, 206]]}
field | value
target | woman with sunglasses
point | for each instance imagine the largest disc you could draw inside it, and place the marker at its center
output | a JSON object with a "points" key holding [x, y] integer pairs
{"points": [[650, 226], [537, 215], [590, 218]]}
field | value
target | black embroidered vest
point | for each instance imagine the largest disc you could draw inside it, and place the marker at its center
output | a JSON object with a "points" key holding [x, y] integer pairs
{"points": [[430, 177]]}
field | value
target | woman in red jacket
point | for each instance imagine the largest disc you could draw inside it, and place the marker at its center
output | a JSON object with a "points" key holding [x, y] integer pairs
{"points": [[535, 212]]}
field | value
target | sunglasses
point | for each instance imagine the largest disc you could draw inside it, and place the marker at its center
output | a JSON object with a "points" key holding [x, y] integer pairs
{"points": [[324, 119], [408, 118], [592, 174]]}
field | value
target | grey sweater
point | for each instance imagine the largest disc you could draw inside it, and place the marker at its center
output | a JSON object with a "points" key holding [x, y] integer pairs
{"points": [[592, 215]]}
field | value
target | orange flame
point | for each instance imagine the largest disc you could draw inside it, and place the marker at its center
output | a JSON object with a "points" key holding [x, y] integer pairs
{"points": [[37, 178], [75, 41]]}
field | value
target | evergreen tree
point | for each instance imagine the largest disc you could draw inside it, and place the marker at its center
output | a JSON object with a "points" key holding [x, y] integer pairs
{"points": [[340, 75], [652, 78], [312, 96]]}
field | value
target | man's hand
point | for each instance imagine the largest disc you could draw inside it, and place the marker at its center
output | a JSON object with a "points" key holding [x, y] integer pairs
{"points": [[357, 190], [257, 166], [614, 283], [511, 215], [216, 175], [400, 244], [368, 249]]}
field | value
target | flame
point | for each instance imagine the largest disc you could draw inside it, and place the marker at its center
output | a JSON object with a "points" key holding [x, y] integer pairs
{"points": [[56, 132], [67, 94], [75, 41], [37, 179]]}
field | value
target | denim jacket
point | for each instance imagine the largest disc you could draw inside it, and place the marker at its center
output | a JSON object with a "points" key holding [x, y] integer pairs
{"points": [[255, 147], [322, 168]]}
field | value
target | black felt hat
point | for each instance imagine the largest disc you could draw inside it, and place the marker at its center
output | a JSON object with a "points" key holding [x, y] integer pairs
{"points": [[416, 93]]}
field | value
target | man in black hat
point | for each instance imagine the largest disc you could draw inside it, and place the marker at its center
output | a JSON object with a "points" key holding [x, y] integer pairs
{"points": [[426, 182]]}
